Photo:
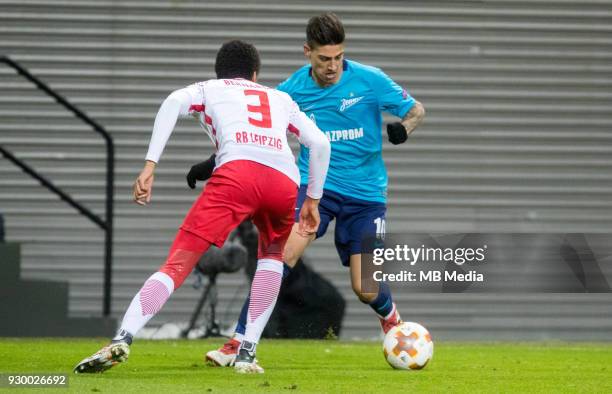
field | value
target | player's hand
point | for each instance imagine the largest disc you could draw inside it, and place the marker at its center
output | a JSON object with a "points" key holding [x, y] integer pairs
{"points": [[397, 133], [309, 217], [143, 185], [201, 171]]}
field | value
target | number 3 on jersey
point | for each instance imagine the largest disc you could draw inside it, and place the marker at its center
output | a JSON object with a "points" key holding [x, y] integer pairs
{"points": [[263, 109]]}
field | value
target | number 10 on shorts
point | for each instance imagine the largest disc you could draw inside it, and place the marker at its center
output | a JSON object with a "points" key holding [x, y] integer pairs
{"points": [[380, 227]]}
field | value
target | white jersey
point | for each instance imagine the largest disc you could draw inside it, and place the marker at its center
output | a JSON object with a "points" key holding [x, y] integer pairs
{"points": [[246, 121]]}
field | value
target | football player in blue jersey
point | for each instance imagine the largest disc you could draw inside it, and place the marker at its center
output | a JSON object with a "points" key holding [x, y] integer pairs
{"points": [[345, 99]]}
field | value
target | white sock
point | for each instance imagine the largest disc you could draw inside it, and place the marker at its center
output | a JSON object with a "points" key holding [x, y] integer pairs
{"points": [[264, 292], [147, 302]]}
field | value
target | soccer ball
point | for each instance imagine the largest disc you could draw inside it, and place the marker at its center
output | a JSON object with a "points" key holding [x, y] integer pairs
{"points": [[408, 346]]}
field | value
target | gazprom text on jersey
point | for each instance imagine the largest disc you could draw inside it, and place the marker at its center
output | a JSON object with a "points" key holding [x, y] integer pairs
{"points": [[339, 135]]}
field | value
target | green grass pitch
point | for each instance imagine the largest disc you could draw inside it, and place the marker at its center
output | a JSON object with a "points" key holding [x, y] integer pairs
{"points": [[321, 367]]}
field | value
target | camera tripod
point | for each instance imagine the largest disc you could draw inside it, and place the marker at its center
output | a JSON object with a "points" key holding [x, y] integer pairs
{"points": [[212, 325]]}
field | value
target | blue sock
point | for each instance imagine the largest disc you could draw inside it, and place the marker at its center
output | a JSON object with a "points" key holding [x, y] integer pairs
{"points": [[383, 304], [241, 326], [286, 271], [242, 320]]}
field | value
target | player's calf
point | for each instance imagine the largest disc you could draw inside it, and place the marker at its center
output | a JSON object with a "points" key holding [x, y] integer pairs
{"points": [[382, 304], [366, 298]]}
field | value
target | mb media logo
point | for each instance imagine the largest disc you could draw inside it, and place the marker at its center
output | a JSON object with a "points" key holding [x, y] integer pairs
{"points": [[348, 103]]}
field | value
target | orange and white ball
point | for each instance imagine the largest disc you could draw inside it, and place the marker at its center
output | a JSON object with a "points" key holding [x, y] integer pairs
{"points": [[408, 346]]}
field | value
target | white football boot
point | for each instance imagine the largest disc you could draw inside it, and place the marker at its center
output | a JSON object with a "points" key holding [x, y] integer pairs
{"points": [[105, 358], [225, 355], [246, 361]]}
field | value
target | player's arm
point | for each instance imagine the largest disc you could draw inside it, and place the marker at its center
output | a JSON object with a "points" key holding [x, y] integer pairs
{"points": [[398, 132], [394, 99], [177, 104], [310, 136]]}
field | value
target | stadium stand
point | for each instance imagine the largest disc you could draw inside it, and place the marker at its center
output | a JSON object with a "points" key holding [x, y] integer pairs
{"points": [[517, 138]]}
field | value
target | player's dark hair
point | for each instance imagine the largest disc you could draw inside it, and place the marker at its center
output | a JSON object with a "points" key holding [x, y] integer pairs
{"points": [[237, 59], [324, 29]]}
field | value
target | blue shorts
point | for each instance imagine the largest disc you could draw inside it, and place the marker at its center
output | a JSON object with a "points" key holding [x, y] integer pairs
{"points": [[355, 219]]}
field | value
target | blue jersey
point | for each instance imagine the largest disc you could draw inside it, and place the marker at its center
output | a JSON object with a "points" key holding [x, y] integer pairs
{"points": [[349, 113]]}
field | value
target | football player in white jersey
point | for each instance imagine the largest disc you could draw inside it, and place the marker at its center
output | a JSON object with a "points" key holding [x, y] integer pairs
{"points": [[255, 178]]}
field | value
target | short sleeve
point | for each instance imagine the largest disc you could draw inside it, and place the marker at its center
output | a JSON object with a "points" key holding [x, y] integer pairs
{"points": [[392, 98]]}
